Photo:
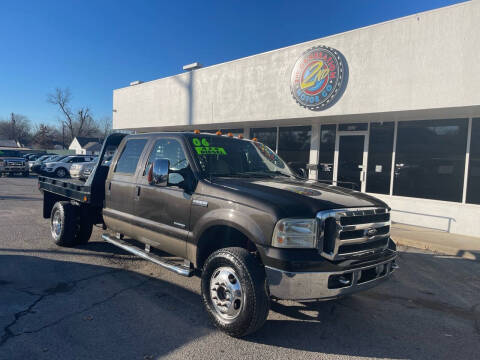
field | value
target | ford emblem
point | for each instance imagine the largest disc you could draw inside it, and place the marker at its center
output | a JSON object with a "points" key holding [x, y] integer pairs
{"points": [[371, 232]]}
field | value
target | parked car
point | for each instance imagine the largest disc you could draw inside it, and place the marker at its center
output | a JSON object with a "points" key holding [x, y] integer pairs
{"points": [[12, 162], [36, 166], [36, 159], [82, 170], [236, 214], [61, 168]]}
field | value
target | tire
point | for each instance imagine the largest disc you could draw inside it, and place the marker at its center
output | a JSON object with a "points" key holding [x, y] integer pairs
{"points": [[63, 223], [228, 271], [61, 173], [84, 232]]}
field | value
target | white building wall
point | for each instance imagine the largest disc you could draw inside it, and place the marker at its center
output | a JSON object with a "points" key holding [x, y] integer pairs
{"points": [[425, 61], [446, 216]]}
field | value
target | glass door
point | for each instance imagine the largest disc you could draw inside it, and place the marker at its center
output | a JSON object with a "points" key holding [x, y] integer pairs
{"points": [[351, 159]]}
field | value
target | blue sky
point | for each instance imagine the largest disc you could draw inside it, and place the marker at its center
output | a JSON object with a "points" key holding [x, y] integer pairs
{"points": [[93, 47]]}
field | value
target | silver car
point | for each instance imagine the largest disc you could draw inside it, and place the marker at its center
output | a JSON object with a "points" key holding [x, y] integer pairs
{"points": [[82, 170]]}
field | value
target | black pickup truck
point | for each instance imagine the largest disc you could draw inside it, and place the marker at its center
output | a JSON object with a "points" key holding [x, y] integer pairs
{"points": [[235, 214]]}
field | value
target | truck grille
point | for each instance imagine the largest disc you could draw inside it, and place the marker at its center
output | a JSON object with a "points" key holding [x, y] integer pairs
{"points": [[14, 163], [346, 233]]}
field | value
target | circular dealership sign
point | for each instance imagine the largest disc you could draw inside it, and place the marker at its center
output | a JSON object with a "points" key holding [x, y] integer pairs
{"points": [[319, 78]]}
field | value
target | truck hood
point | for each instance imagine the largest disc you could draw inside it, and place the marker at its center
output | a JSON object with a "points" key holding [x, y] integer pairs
{"points": [[295, 197]]}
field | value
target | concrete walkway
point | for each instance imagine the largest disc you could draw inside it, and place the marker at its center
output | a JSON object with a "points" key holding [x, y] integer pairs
{"points": [[438, 241]]}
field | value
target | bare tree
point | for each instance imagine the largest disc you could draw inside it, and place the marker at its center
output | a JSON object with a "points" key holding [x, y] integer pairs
{"points": [[105, 126], [17, 128], [44, 136], [78, 123]]}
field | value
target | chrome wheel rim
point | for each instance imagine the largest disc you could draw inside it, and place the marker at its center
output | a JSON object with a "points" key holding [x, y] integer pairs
{"points": [[227, 294], [61, 173], [56, 224]]}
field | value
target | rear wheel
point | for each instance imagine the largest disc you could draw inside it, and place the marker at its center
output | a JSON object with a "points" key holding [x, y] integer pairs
{"points": [[84, 231], [63, 223], [234, 291]]}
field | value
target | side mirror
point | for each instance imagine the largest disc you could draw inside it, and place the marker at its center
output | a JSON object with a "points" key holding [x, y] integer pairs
{"points": [[158, 172]]}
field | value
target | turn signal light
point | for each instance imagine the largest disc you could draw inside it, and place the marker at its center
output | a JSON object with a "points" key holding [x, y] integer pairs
{"points": [[254, 139], [218, 132], [196, 131]]}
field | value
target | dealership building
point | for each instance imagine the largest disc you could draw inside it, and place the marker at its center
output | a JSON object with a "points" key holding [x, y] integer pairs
{"points": [[392, 110]]}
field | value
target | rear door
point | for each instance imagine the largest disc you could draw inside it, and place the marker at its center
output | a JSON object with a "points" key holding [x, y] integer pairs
{"points": [[163, 213], [120, 186]]}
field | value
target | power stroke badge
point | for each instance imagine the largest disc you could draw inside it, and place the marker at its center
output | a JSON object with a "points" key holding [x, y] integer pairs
{"points": [[319, 78]]}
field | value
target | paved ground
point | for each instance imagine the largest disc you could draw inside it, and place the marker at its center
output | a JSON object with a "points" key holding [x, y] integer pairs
{"points": [[96, 302]]}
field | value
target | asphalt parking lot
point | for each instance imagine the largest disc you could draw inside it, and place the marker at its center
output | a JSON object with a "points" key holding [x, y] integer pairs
{"points": [[98, 302]]}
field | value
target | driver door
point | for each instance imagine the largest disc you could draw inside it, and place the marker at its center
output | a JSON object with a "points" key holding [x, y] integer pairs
{"points": [[163, 213]]}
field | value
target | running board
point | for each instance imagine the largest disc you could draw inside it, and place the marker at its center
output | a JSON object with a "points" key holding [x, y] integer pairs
{"points": [[181, 270]]}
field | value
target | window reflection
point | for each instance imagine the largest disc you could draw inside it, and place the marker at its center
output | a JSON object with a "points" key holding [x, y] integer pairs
{"points": [[294, 145], [473, 186], [327, 152], [267, 136], [380, 149], [430, 159]]}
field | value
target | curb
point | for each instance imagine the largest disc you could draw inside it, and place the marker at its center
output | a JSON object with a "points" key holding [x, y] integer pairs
{"points": [[441, 249]]}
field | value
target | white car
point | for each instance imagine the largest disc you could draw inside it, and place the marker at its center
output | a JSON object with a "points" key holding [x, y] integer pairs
{"points": [[61, 168], [82, 170]]}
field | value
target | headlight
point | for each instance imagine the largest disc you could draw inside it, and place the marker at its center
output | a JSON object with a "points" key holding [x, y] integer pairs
{"points": [[295, 233]]}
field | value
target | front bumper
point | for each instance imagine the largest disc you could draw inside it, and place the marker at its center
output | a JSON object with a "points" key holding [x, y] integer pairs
{"points": [[327, 285], [13, 169]]}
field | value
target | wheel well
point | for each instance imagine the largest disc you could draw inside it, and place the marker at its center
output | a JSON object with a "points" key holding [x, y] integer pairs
{"points": [[219, 237]]}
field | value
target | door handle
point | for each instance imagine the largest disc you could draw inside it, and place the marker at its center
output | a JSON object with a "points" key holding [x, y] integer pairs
{"points": [[138, 190]]}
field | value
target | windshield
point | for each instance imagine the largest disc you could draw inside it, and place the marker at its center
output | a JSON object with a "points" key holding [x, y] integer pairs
{"points": [[222, 156], [57, 158], [10, 153]]}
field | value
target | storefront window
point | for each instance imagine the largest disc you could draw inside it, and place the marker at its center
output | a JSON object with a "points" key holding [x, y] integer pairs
{"points": [[353, 127], [380, 147], [327, 152], [473, 185], [294, 145], [430, 159], [268, 136], [235, 132]]}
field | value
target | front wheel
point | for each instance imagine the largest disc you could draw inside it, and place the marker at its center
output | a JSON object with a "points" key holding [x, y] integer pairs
{"points": [[234, 291], [61, 173]]}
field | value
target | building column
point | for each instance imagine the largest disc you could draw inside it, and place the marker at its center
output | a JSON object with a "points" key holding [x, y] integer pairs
{"points": [[314, 151]]}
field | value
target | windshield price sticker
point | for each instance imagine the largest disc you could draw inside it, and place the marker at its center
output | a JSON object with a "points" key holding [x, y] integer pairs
{"points": [[202, 147]]}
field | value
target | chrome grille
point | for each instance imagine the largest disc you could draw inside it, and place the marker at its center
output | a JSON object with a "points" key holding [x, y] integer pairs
{"points": [[15, 163], [345, 233]]}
